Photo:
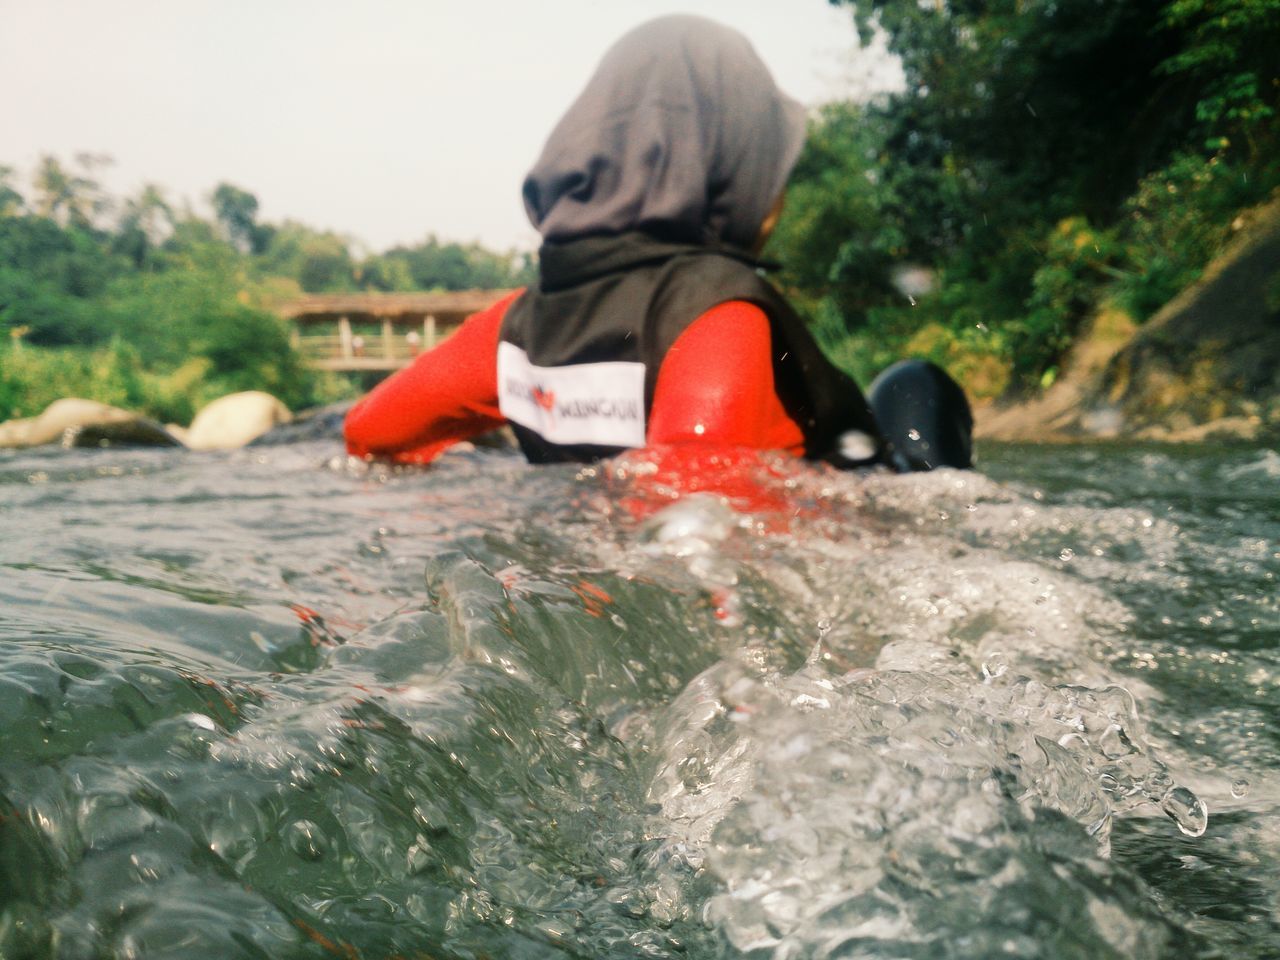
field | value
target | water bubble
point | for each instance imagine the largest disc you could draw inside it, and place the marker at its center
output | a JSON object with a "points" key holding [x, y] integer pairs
{"points": [[1066, 555], [1115, 743], [1186, 810], [994, 666], [1240, 788], [1070, 740], [305, 839], [913, 434], [805, 702], [629, 902]]}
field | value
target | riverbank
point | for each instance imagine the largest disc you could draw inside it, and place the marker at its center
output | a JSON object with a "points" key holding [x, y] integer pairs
{"points": [[1205, 367]]}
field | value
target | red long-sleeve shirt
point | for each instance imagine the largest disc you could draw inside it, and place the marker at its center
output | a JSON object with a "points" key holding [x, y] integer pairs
{"points": [[715, 389]]}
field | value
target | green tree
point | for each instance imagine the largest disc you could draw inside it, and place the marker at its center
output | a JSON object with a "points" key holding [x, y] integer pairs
{"points": [[67, 197], [146, 222], [1020, 115], [48, 277], [437, 265], [1230, 56], [237, 212], [319, 260], [387, 274], [840, 230], [11, 201]]}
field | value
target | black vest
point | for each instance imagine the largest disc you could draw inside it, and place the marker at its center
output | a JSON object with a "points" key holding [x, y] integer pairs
{"points": [[629, 297]]}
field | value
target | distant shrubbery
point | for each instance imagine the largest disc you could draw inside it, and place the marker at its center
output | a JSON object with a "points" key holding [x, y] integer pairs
{"points": [[138, 304], [1046, 157]]}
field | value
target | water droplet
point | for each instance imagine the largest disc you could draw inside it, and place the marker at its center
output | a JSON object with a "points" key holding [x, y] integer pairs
{"points": [[913, 434], [699, 429], [1240, 788], [1066, 555], [1186, 810], [824, 627]]}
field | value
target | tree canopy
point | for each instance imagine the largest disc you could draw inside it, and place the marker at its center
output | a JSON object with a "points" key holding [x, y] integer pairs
{"points": [[1043, 154], [177, 304]]}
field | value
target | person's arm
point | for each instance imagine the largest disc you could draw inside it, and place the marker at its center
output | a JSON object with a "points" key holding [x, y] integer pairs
{"points": [[715, 387], [448, 394]]}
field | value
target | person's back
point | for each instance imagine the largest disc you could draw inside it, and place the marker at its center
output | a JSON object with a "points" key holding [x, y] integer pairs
{"points": [[650, 323]]}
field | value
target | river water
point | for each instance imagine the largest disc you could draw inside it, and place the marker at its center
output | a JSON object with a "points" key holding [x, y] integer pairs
{"points": [[274, 703]]}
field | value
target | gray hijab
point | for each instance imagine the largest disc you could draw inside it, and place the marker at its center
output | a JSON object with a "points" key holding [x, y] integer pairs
{"points": [[681, 132]]}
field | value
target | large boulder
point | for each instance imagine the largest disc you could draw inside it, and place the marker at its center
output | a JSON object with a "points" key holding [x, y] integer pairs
{"points": [[77, 422], [320, 423], [234, 420]]}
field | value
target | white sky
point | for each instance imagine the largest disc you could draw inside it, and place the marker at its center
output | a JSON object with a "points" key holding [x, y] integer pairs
{"points": [[385, 120]]}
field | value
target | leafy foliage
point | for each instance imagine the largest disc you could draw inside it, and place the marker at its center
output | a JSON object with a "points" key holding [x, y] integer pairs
{"points": [[432, 265], [141, 304], [1045, 157], [840, 181]]}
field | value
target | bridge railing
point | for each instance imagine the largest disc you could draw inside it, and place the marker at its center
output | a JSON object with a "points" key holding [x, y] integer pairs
{"points": [[377, 331], [356, 348]]}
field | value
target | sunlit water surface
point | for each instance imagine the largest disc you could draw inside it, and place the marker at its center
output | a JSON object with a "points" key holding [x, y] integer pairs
{"points": [[277, 704]]}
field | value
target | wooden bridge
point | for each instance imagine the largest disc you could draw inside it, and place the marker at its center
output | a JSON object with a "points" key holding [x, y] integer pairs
{"points": [[377, 331]]}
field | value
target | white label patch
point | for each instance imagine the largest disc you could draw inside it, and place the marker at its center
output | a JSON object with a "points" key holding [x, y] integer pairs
{"points": [[600, 403]]}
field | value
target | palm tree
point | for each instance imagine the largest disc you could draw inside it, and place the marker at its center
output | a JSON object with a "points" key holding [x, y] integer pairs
{"points": [[146, 222], [11, 201], [66, 197]]}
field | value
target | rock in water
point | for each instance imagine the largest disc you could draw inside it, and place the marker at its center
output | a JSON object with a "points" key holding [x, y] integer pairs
{"points": [[77, 422], [134, 432], [322, 423], [234, 420]]}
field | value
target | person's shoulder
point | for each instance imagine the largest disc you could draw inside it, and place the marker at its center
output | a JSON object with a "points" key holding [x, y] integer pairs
{"points": [[496, 311], [504, 301], [735, 315], [705, 279]]}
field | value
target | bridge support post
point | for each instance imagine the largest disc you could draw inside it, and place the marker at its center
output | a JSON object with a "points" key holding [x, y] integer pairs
{"points": [[344, 336], [388, 344], [429, 331]]}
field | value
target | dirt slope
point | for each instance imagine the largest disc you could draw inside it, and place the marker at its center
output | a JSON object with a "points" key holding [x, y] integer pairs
{"points": [[1206, 366]]}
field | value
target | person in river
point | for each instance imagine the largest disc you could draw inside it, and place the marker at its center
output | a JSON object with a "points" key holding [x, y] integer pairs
{"points": [[651, 323]]}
